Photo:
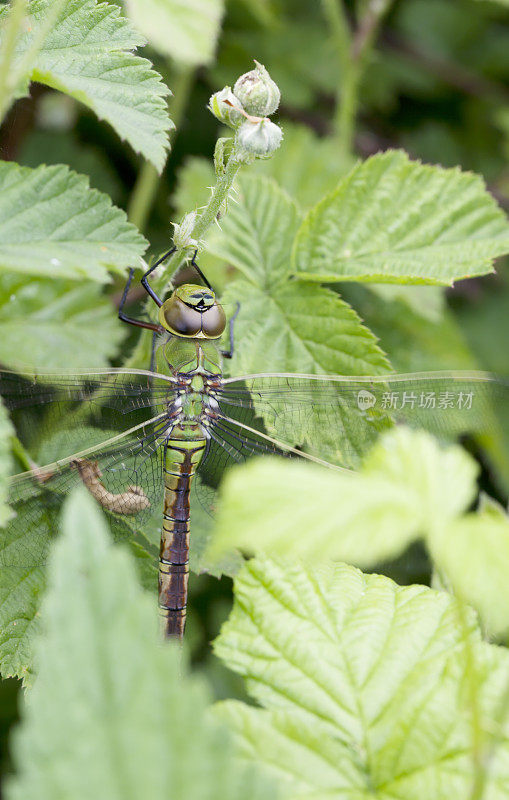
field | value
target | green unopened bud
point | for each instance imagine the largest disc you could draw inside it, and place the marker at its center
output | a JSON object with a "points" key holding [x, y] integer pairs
{"points": [[226, 107], [257, 92], [258, 139], [182, 233]]}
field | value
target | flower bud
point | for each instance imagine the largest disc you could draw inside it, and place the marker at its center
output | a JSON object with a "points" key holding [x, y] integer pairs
{"points": [[259, 139], [226, 107], [257, 92], [182, 233]]}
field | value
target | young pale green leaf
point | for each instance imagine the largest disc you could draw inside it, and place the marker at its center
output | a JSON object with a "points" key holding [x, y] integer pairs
{"points": [[48, 324], [396, 220], [257, 234], [22, 586], [406, 487], [86, 53], [186, 30], [473, 554], [52, 223], [5, 464], [111, 715], [362, 684]]}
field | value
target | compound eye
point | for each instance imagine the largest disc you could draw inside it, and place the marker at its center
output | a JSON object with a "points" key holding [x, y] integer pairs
{"points": [[178, 318], [213, 321]]}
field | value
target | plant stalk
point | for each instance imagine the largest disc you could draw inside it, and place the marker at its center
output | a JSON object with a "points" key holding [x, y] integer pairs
{"points": [[334, 13], [209, 214], [353, 70], [21, 453], [145, 188]]}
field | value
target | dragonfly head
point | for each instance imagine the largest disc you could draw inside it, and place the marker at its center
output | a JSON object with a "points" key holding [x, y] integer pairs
{"points": [[193, 312]]}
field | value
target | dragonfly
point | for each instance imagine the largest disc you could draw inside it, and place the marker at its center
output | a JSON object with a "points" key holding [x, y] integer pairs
{"points": [[143, 442]]}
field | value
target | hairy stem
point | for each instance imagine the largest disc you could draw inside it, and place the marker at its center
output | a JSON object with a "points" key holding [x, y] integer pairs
{"points": [[140, 355], [211, 210], [145, 188], [354, 67]]}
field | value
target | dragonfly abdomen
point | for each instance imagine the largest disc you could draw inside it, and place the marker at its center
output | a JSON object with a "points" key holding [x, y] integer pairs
{"points": [[182, 459]]}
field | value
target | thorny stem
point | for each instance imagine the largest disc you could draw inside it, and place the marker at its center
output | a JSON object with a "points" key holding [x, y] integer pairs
{"points": [[147, 181], [353, 67], [209, 214], [138, 357]]}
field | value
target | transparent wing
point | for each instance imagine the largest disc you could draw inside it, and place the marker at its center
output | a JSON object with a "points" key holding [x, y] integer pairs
{"points": [[102, 429], [124, 474], [232, 441], [124, 391], [338, 418]]}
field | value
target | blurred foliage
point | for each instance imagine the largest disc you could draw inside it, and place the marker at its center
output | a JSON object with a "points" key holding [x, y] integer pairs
{"points": [[435, 83]]}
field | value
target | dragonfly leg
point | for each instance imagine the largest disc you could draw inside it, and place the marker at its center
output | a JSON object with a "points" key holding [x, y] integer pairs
{"points": [[144, 281], [229, 353], [139, 323], [198, 270]]}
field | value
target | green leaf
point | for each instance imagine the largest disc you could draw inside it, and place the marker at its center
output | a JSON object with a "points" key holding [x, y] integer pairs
{"points": [[47, 324], [473, 554], [202, 526], [283, 325], [362, 684], [416, 339], [407, 486], [299, 327], [395, 220], [302, 328], [86, 53], [111, 715], [257, 233], [186, 30], [5, 463], [306, 166], [22, 588], [25, 545], [52, 224]]}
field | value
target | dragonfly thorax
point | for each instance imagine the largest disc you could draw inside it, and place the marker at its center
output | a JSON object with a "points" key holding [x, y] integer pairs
{"points": [[192, 312]]}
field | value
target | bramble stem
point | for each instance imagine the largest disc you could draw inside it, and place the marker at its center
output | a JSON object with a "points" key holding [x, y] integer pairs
{"points": [[353, 64], [145, 188], [334, 13], [211, 210]]}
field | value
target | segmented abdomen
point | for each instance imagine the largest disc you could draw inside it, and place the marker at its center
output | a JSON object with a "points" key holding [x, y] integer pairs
{"points": [[182, 459]]}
